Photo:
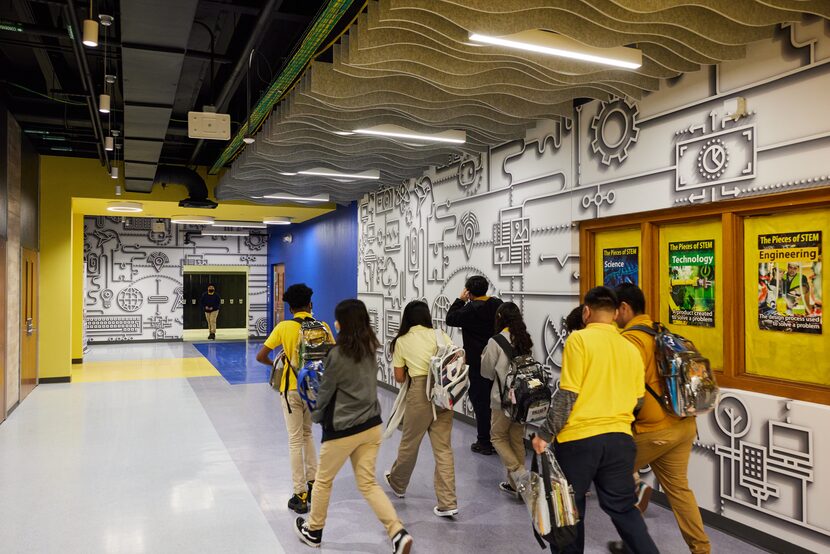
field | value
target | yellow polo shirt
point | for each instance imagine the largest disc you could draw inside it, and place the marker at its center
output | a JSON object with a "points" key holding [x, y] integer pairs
{"points": [[415, 349], [606, 372], [287, 335]]}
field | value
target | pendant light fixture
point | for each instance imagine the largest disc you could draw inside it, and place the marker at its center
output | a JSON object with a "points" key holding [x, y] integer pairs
{"points": [[249, 136], [109, 144], [104, 99], [90, 30]]}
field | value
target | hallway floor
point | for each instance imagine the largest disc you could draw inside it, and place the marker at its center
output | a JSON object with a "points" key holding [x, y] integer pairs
{"points": [[181, 448]]}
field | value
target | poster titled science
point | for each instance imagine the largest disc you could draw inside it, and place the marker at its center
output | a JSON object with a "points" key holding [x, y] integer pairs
{"points": [[620, 265], [789, 282], [692, 281]]}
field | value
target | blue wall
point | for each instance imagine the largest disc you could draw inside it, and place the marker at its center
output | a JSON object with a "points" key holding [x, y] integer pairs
{"points": [[323, 255]]}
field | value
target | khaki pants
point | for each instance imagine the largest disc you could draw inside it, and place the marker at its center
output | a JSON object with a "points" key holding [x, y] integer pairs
{"points": [[508, 440], [301, 450], [667, 452], [211, 320], [417, 421], [362, 450]]}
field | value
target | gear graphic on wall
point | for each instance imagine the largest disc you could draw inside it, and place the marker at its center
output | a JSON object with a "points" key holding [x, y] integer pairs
{"points": [[614, 130], [713, 159]]}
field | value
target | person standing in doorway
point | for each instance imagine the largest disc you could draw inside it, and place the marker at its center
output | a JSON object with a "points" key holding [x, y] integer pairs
{"points": [[210, 304], [297, 416], [602, 385], [348, 409], [663, 441], [412, 351], [475, 313]]}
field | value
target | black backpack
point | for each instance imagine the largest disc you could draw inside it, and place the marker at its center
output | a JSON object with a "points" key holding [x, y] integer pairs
{"points": [[525, 393]]}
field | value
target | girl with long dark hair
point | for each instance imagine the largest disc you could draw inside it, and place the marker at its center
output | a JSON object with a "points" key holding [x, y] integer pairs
{"points": [[348, 409], [412, 350], [507, 436]]}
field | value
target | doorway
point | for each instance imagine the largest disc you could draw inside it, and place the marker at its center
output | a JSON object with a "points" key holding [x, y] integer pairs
{"points": [[28, 322], [232, 289], [278, 286]]}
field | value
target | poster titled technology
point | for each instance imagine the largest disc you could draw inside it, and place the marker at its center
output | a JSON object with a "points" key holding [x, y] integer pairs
{"points": [[620, 265], [789, 282], [692, 281]]}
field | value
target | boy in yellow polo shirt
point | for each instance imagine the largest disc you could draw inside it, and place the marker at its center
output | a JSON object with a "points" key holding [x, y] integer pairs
{"points": [[302, 454], [601, 385]]}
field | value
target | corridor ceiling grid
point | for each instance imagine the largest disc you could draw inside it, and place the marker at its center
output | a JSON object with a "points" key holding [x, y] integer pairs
{"points": [[410, 63]]}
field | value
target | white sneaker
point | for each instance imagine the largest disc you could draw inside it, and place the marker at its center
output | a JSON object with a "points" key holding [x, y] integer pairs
{"points": [[445, 513], [388, 476]]}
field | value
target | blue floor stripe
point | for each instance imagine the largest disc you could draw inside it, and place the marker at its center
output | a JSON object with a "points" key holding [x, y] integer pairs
{"points": [[236, 361]]}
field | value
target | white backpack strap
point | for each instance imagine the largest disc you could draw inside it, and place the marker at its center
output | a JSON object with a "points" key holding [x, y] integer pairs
{"points": [[439, 339]]}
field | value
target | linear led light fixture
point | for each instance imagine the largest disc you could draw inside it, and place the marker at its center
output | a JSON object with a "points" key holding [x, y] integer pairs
{"points": [[544, 42], [240, 224], [372, 174], [322, 198], [125, 207], [451, 137], [277, 220], [192, 220], [217, 233]]}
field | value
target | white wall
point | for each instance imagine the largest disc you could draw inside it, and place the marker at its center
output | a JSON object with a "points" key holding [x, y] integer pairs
{"points": [[134, 276], [509, 214]]}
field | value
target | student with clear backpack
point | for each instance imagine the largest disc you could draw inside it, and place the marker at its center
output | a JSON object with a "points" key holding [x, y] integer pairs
{"points": [[412, 352], [297, 416], [512, 339]]}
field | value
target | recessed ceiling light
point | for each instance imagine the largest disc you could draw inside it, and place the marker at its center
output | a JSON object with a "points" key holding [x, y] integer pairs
{"points": [[290, 198], [372, 174], [125, 207], [343, 133], [393, 131], [192, 219], [544, 42], [240, 224], [285, 173], [277, 220], [217, 233]]}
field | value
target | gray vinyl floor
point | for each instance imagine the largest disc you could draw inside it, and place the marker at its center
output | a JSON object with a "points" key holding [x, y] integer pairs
{"points": [[198, 465]]}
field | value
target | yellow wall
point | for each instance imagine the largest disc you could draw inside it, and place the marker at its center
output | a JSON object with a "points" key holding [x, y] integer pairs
{"points": [[72, 188]]}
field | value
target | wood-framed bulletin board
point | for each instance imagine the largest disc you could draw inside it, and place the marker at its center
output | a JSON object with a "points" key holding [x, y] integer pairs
{"points": [[742, 278]]}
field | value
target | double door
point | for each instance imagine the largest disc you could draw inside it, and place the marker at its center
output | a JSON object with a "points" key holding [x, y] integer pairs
{"points": [[232, 289]]}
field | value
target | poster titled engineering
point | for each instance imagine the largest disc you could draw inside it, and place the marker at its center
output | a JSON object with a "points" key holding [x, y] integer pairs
{"points": [[789, 282]]}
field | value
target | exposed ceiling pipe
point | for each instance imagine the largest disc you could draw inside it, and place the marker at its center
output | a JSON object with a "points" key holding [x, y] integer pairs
{"points": [[241, 66], [86, 77]]}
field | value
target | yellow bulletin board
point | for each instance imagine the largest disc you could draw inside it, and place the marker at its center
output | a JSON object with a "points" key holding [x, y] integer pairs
{"points": [[616, 241], [678, 283], [783, 293]]}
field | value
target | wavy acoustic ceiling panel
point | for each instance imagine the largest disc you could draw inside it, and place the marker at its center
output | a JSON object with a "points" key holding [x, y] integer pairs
{"points": [[409, 63]]}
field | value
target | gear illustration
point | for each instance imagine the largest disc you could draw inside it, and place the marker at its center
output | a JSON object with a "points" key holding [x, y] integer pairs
{"points": [[612, 140], [713, 159]]}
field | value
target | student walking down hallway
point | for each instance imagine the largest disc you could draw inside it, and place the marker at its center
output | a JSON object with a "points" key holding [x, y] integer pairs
{"points": [[348, 409], [412, 351]]}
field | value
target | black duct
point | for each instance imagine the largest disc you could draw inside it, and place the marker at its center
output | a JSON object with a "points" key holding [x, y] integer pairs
{"points": [[196, 187]]}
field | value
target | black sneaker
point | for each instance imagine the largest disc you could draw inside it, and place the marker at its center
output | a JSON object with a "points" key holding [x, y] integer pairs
{"points": [[618, 547], [402, 542], [306, 535], [299, 503], [504, 486], [485, 449], [310, 486], [212, 336]]}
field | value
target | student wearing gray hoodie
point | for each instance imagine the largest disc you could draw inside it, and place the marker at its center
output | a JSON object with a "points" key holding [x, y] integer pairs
{"points": [[348, 409]]}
